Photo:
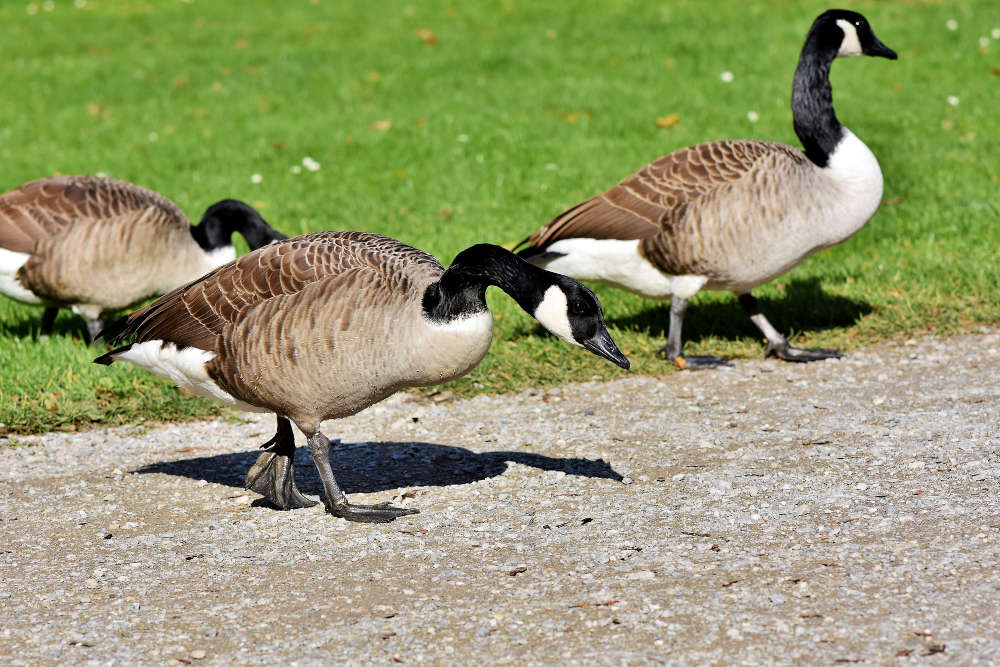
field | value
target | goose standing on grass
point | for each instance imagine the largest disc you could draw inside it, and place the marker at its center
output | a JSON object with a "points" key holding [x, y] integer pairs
{"points": [[323, 325], [731, 215], [98, 245]]}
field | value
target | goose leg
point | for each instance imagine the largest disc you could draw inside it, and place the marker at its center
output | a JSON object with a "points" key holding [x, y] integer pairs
{"points": [[675, 345], [273, 475], [777, 344], [336, 501], [48, 321], [94, 327], [91, 315]]}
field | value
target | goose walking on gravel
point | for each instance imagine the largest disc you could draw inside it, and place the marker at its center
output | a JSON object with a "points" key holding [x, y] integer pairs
{"points": [[731, 215], [98, 245], [323, 325]]}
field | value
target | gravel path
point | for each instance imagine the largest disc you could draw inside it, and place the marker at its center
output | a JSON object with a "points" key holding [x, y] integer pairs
{"points": [[843, 511]]}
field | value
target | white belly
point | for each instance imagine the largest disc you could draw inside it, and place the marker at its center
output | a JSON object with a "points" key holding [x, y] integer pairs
{"points": [[10, 262], [617, 263], [186, 368], [608, 261]]}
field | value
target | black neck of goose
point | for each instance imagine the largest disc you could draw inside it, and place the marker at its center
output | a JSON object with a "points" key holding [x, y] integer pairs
{"points": [[461, 291], [812, 100], [231, 215]]}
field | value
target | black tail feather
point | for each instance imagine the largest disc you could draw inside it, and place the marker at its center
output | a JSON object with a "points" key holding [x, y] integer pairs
{"points": [[112, 332], [109, 357]]}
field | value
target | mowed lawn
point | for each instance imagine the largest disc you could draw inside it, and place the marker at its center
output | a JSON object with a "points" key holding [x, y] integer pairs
{"points": [[445, 124]]}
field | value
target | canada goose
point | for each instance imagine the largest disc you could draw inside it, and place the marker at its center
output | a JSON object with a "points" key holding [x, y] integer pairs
{"points": [[731, 215], [98, 245], [323, 325]]}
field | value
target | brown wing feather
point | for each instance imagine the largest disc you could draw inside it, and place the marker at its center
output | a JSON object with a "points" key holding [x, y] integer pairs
{"points": [[651, 201], [197, 314], [42, 209]]}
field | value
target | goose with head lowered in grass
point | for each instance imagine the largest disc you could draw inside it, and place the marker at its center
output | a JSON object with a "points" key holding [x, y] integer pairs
{"points": [[99, 245], [731, 215], [324, 325]]}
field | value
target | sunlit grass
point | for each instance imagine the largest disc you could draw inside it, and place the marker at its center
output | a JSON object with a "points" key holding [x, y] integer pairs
{"points": [[445, 124]]}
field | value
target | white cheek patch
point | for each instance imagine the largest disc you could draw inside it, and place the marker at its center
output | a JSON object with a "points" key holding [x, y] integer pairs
{"points": [[186, 368], [220, 256], [851, 46], [10, 262], [553, 314]]}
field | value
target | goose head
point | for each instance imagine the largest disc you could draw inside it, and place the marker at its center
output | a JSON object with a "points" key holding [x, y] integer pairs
{"points": [[572, 312], [849, 34], [223, 218], [560, 304]]}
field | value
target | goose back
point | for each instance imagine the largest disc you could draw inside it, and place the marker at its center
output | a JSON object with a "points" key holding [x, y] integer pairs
{"points": [[72, 227], [317, 327]]}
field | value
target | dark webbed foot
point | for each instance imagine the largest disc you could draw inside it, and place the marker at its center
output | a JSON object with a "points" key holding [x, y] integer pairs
{"points": [[692, 361], [788, 353], [273, 475], [673, 350], [777, 344], [380, 513], [48, 322], [94, 327]]}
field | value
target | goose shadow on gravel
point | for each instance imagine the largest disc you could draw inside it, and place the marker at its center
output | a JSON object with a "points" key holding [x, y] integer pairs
{"points": [[368, 467]]}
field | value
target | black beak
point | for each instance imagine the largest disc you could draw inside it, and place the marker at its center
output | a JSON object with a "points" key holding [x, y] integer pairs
{"points": [[602, 345], [877, 48]]}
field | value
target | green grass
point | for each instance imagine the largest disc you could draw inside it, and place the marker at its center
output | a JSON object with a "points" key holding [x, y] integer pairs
{"points": [[499, 116]]}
